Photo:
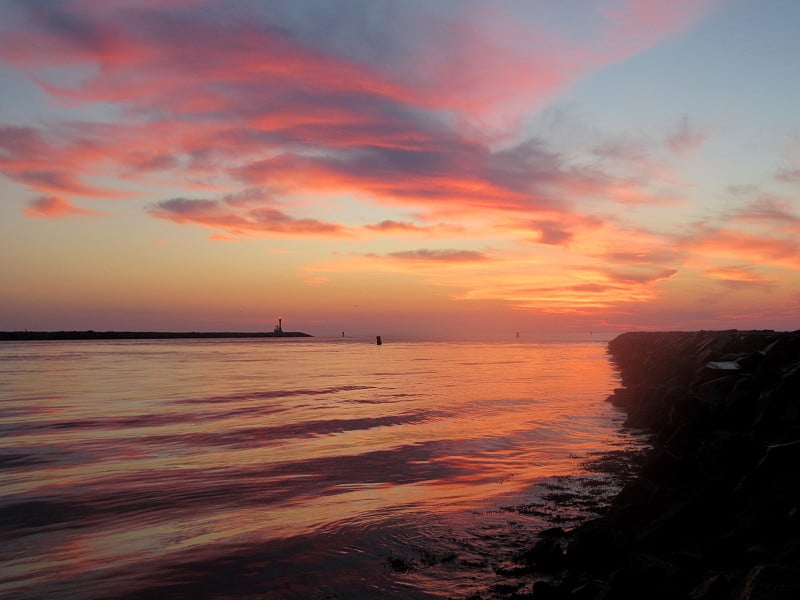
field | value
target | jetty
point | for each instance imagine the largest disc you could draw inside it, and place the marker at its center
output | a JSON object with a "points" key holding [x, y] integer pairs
{"points": [[714, 513], [22, 336]]}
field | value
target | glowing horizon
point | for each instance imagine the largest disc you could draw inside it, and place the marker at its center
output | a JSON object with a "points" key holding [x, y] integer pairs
{"points": [[208, 164]]}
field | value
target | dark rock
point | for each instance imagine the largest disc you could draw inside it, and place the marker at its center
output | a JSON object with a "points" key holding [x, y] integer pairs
{"points": [[780, 408], [790, 553], [726, 453], [772, 582], [546, 555], [750, 361], [546, 590], [775, 472], [644, 576], [713, 587], [593, 545], [588, 590], [638, 492]]}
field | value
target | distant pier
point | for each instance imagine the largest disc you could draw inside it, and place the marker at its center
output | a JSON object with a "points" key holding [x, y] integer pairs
{"points": [[22, 336]]}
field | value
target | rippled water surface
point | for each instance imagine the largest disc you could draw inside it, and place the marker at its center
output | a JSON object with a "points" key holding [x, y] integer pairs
{"points": [[293, 468]]}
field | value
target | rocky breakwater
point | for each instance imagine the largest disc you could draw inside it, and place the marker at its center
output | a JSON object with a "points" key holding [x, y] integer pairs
{"points": [[715, 512]]}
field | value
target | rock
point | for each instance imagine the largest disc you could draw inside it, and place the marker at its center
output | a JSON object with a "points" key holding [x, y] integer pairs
{"points": [[726, 454], [547, 590], [713, 587], [588, 590], [780, 409], [775, 472], [714, 513], [644, 576], [771, 582], [546, 555], [750, 361], [593, 546]]}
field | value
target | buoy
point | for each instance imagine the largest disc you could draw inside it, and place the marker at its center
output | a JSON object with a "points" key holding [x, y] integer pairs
{"points": [[378, 340]]}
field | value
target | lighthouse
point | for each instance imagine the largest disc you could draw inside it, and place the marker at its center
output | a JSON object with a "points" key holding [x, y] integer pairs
{"points": [[279, 326]]}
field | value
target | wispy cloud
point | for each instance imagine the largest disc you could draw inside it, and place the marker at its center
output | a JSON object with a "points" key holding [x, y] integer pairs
{"points": [[686, 139], [446, 255], [789, 170], [739, 275]]}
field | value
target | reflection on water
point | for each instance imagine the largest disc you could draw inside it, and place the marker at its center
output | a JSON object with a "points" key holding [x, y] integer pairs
{"points": [[283, 468]]}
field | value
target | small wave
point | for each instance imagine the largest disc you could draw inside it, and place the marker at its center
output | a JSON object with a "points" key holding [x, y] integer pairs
{"points": [[271, 394]]}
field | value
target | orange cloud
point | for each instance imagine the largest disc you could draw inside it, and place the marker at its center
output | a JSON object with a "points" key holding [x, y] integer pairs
{"points": [[746, 247], [738, 275]]}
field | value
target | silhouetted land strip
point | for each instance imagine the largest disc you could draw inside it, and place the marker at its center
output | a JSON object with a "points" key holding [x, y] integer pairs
{"points": [[714, 513], [141, 335]]}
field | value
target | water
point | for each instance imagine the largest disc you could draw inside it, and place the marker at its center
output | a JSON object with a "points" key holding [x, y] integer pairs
{"points": [[293, 468]]}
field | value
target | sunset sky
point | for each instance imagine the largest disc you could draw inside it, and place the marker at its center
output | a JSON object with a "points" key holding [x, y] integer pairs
{"points": [[400, 166]]}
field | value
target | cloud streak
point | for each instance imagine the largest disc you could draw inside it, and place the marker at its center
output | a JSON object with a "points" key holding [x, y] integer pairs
{"points": [[446, 255], [260, 220]]}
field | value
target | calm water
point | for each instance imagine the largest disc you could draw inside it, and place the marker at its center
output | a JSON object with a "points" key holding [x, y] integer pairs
{"points": [[287, 468]]}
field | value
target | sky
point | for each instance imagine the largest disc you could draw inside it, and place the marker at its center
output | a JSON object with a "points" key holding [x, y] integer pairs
{"points": [[400, 167]]}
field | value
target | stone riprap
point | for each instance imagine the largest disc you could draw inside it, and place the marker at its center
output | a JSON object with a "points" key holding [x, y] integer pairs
{"points": [[715, 511]]}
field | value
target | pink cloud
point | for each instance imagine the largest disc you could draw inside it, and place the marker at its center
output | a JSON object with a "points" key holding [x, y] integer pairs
{"points": [[50, 165], [54, 207], [634, 24], [58, 181]]}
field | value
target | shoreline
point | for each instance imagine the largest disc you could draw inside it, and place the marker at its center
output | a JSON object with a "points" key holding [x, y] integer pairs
{"points": [[714, 512], [25, 336]]}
